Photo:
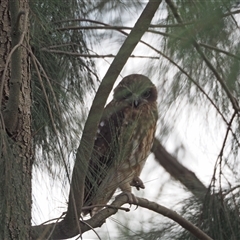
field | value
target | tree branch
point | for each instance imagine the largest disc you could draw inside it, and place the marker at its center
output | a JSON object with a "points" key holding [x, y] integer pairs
{"points": [[76, 54], [43, 231], [101, 23], [198, 233], [178, 171], [94, 27], [70, 222], [220, 155]]}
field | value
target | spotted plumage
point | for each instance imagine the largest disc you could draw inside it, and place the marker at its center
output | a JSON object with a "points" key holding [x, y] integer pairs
{"points": [[123, 141]]}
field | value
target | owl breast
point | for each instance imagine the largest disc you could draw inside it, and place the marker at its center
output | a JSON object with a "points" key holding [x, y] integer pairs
{"points": [[135, 141], [123, 141]]}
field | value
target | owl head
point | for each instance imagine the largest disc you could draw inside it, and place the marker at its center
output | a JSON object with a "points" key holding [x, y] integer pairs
{"points": [[135, 90]]}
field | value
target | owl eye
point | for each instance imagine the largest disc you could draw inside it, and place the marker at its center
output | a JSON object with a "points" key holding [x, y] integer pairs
{"points": [[126, 95], [146, 94]]}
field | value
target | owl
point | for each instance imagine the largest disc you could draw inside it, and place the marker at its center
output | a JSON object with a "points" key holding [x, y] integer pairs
{"points": [[123, 142]]}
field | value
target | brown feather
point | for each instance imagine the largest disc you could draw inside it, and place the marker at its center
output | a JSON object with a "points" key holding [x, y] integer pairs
{"points": [[123, 141]]}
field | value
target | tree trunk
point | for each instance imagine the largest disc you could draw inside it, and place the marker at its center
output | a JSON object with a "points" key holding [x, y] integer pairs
{"points": [[15, 122]]}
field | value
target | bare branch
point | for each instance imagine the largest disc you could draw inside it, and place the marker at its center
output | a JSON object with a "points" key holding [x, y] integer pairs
{"points": [[174, 216], [101, 23], [231, 13], [226, 135], [93, 55], [230, 190], [99, 219], [178, 171], [219, 158], [93, 27], [219, 50]]}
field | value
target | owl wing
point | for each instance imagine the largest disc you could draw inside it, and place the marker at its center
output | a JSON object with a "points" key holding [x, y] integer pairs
{"points": [[104, 150]]}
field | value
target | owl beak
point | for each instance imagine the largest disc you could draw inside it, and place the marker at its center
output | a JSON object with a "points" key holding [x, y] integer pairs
{"points": [[136, 103], [139, 101]]}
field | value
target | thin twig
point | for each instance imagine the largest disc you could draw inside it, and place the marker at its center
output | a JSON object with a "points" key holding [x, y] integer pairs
{"points": [[226, 135], [199, 43], [54, 219], [219, 158], [231, 190], [92, 55], [101, 23], [46, 77], [53, 124], [93, 27], [174, 216], [222, 149], [219, 50], [49, 236], [85, 222], [106, 206]]}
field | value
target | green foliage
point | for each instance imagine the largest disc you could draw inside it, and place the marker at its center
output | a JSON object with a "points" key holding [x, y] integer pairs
{"points": [[217, 215], [65, 79], [214, 29], [60, 81]]}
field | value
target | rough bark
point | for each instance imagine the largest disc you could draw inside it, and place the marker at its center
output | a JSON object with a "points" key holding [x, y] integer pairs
{"points": [[15, 132]]}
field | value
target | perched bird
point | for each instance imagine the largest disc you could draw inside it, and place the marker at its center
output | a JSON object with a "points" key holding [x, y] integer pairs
{"points": [[123, 142]]}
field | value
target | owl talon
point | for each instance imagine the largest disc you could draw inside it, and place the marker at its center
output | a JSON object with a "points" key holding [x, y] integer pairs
{"points": [[137, 182], [131, 198]]}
